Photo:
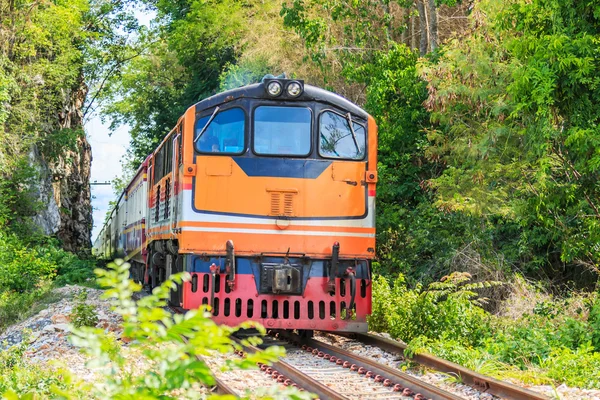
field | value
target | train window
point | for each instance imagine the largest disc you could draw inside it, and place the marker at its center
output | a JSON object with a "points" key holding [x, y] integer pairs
{"points": [[168, 155], [159, 165], [338, 140], [282, 131], [224, 134]]}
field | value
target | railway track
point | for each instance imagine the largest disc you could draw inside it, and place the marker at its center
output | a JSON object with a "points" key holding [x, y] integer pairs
{"points": [[289, 375], [474, 379], [350, 375], [335, 373]]}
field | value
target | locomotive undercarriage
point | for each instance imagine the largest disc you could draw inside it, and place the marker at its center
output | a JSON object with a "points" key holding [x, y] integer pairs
{"points": [[282, 291]]}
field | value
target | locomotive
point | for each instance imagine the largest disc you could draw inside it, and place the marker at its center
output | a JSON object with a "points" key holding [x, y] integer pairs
{"points": [[265, 194]]}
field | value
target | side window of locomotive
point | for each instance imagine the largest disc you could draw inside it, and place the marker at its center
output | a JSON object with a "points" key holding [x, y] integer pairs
{"points": [[337, 140], [158, 166], [282, 130], [224, 134], [168, 155]]}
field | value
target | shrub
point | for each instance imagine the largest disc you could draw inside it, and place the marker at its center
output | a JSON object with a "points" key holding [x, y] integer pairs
{"points": [[579, 368], [15, 306], [75, 271], [449, 309], [83, 314], [22, 267], [20, 377], [552, 341], [171, 368]]}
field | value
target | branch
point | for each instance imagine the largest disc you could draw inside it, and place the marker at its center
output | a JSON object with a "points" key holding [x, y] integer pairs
{"points": [[108, 75]]}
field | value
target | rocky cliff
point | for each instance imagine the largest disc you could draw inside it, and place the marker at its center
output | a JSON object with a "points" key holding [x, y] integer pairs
{"points": [[64, 181]]}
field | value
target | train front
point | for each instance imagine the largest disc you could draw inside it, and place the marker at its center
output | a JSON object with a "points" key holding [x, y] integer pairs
{"points": [[278, 213]]}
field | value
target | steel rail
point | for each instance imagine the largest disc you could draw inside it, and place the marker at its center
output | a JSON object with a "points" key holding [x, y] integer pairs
{"points": [[384, 372], [301, 379], [474, 379], [221, 386]]}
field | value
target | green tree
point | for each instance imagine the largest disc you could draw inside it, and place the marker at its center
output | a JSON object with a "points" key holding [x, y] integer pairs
{"points": [[184, 55], [515, 103]]}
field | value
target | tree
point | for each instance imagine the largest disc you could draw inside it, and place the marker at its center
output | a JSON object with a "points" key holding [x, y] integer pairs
{"points": [[516, 103], [182, 61]]}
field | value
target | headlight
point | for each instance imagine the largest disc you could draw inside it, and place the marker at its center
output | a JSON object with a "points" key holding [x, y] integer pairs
{"points": [[274, 88], [294, 89]]}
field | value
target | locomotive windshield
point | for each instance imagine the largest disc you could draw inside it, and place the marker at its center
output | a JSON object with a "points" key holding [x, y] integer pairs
{"points": [[338, 140], [282, 131], [224, 134]]}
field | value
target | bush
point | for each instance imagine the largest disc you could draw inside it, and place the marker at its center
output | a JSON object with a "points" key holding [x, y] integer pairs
{"points": [[28, 268], [83, 314], [552, 341], [15, 306], [170, 365], [22, 267], [20, 377], [449, 309], [75, 271], [579, 368]]}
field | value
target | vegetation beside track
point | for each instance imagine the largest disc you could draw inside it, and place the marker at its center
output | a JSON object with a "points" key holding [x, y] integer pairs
{"points": [[157, 362], [534, 337]]}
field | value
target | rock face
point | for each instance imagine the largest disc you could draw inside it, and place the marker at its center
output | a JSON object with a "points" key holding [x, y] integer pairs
{"points": [[71, 189], [64, 184], [47, 219]]}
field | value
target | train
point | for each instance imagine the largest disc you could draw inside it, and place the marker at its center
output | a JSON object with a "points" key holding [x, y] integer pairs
{"points": [[265, 194]]}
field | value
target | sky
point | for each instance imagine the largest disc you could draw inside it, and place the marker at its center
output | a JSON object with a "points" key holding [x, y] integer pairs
{"points": [[107, 152], [108, 149]]}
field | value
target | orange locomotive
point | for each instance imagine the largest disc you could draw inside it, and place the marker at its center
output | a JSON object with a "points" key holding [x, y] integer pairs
{"points": [[266, 195]]}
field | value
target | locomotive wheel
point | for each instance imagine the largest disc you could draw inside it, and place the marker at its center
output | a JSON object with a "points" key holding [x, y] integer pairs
{"points": [[306, 333]]}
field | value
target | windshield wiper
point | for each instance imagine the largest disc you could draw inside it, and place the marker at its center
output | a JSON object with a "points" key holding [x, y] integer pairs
{"points": [[214, 114], [349, 118]]}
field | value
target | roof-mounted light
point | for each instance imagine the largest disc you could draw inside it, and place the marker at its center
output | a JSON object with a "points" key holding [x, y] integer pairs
{"points": [[294, 89], [274, 88]]}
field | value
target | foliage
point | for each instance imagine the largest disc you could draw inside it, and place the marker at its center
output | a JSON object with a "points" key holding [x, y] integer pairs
{"points": [[446, 320], [23, 268], [515, 103], [15, 306], [450, 309], [156, 339], [41, 63], [184, 56], [57, 143], [75, 270], [244, 73], [414, 238], [16, 197], [20, 377], [29, 268], [579, 368], [83, 314]]}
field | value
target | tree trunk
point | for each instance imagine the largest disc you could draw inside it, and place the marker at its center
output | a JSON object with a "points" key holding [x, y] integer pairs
{"points": [[433, 26], [405, 20], [422, 26], [413, 33]]}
